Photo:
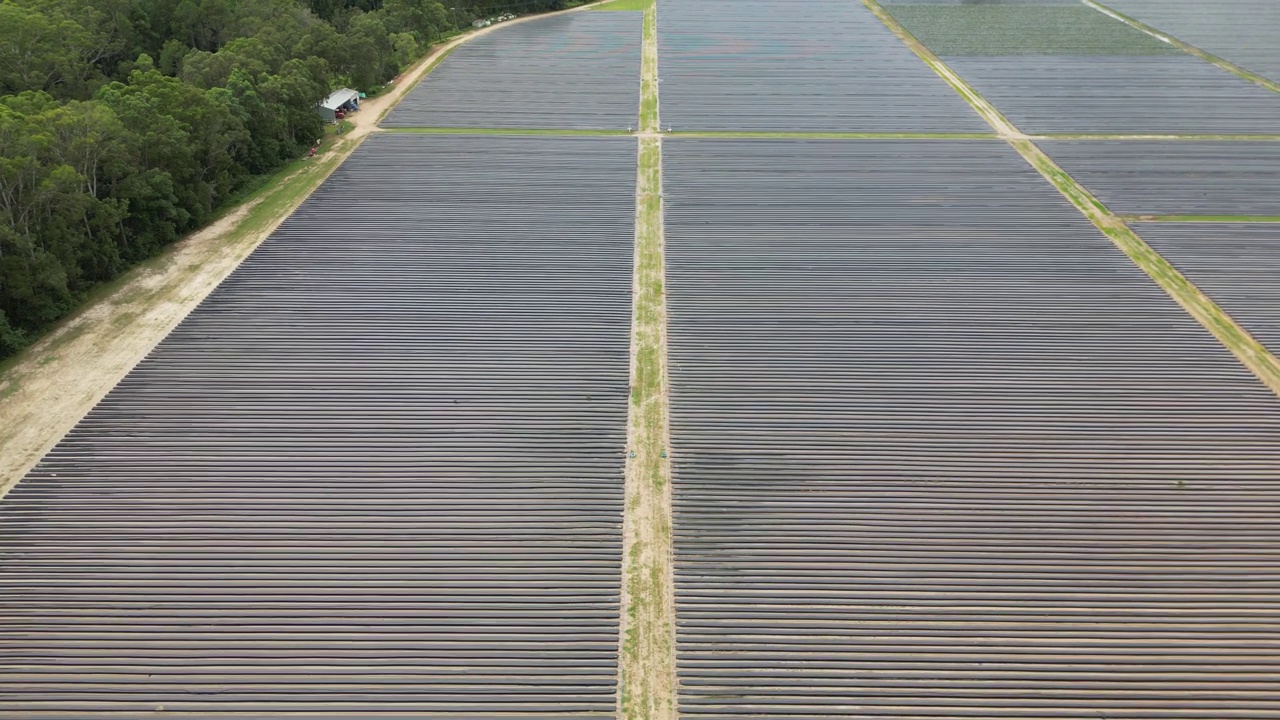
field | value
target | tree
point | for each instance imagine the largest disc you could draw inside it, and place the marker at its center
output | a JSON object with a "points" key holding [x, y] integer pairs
{"points": [[426, 19], [125, 123], [37, 50], [404, 49]]}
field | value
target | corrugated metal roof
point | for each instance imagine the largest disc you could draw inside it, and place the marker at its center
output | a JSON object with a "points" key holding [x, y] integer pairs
{"points": [[1175, 177], [576, 71], [825, 65], [1236, 264], [1159, 95], [1242, 31], [378, 469], [338, 97], [941, 450]]}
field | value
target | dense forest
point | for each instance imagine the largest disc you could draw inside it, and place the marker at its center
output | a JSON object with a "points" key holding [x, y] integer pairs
{"points": [[126, 123]]}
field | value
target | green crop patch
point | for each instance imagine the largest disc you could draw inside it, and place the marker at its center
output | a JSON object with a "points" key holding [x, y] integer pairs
{"points": [[1023, 30], [625, 5]]}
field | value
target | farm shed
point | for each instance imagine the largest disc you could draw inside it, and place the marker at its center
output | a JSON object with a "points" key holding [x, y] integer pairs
{"points": [[344, 100]]}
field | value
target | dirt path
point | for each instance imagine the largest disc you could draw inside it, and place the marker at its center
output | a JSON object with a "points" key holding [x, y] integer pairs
{"points": [[62, 376], [1187, 47], [57, 380], [647, 670]]}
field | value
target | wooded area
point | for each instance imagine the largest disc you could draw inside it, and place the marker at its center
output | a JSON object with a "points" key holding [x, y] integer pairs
{"points": [[127, 123]]}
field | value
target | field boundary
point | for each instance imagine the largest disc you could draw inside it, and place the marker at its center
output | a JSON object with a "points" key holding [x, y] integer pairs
{"points": [[646, 669], [1256, 357], [1186, 47]]}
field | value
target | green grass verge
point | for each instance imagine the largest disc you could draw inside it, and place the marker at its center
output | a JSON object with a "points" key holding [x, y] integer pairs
{"points": [[1023, 30], [647, 667], [641, 5], [649, 72]]}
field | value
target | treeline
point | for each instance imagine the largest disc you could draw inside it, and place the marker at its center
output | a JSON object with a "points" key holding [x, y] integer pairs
{"points": [[126, 123]]}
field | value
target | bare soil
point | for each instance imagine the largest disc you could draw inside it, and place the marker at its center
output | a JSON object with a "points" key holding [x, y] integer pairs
{"points": [[62, 376], [647, 643]]}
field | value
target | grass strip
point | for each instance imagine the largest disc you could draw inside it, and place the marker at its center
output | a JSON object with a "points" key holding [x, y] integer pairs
{"points": [[1250, 352], [647, 667], [1187, 47], [640, 5], [994, 118], [649, 72]]}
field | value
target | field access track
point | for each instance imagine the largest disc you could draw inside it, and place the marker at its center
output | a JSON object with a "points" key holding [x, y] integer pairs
{"points": [[1178, 177], [1051, 68], [576, 71], [824, 65], [1240, 31], [941, 451], [378, 469], [1235, 264], [1160, 95]]}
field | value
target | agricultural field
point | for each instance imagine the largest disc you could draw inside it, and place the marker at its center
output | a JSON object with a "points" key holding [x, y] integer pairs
{"points": [[1176, 177], [579, 71], [1008, 29], [379, 469], [940, 450], [1240, 31], [1071, 69], [1237, 264], [718, 359], [828, 65]]}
